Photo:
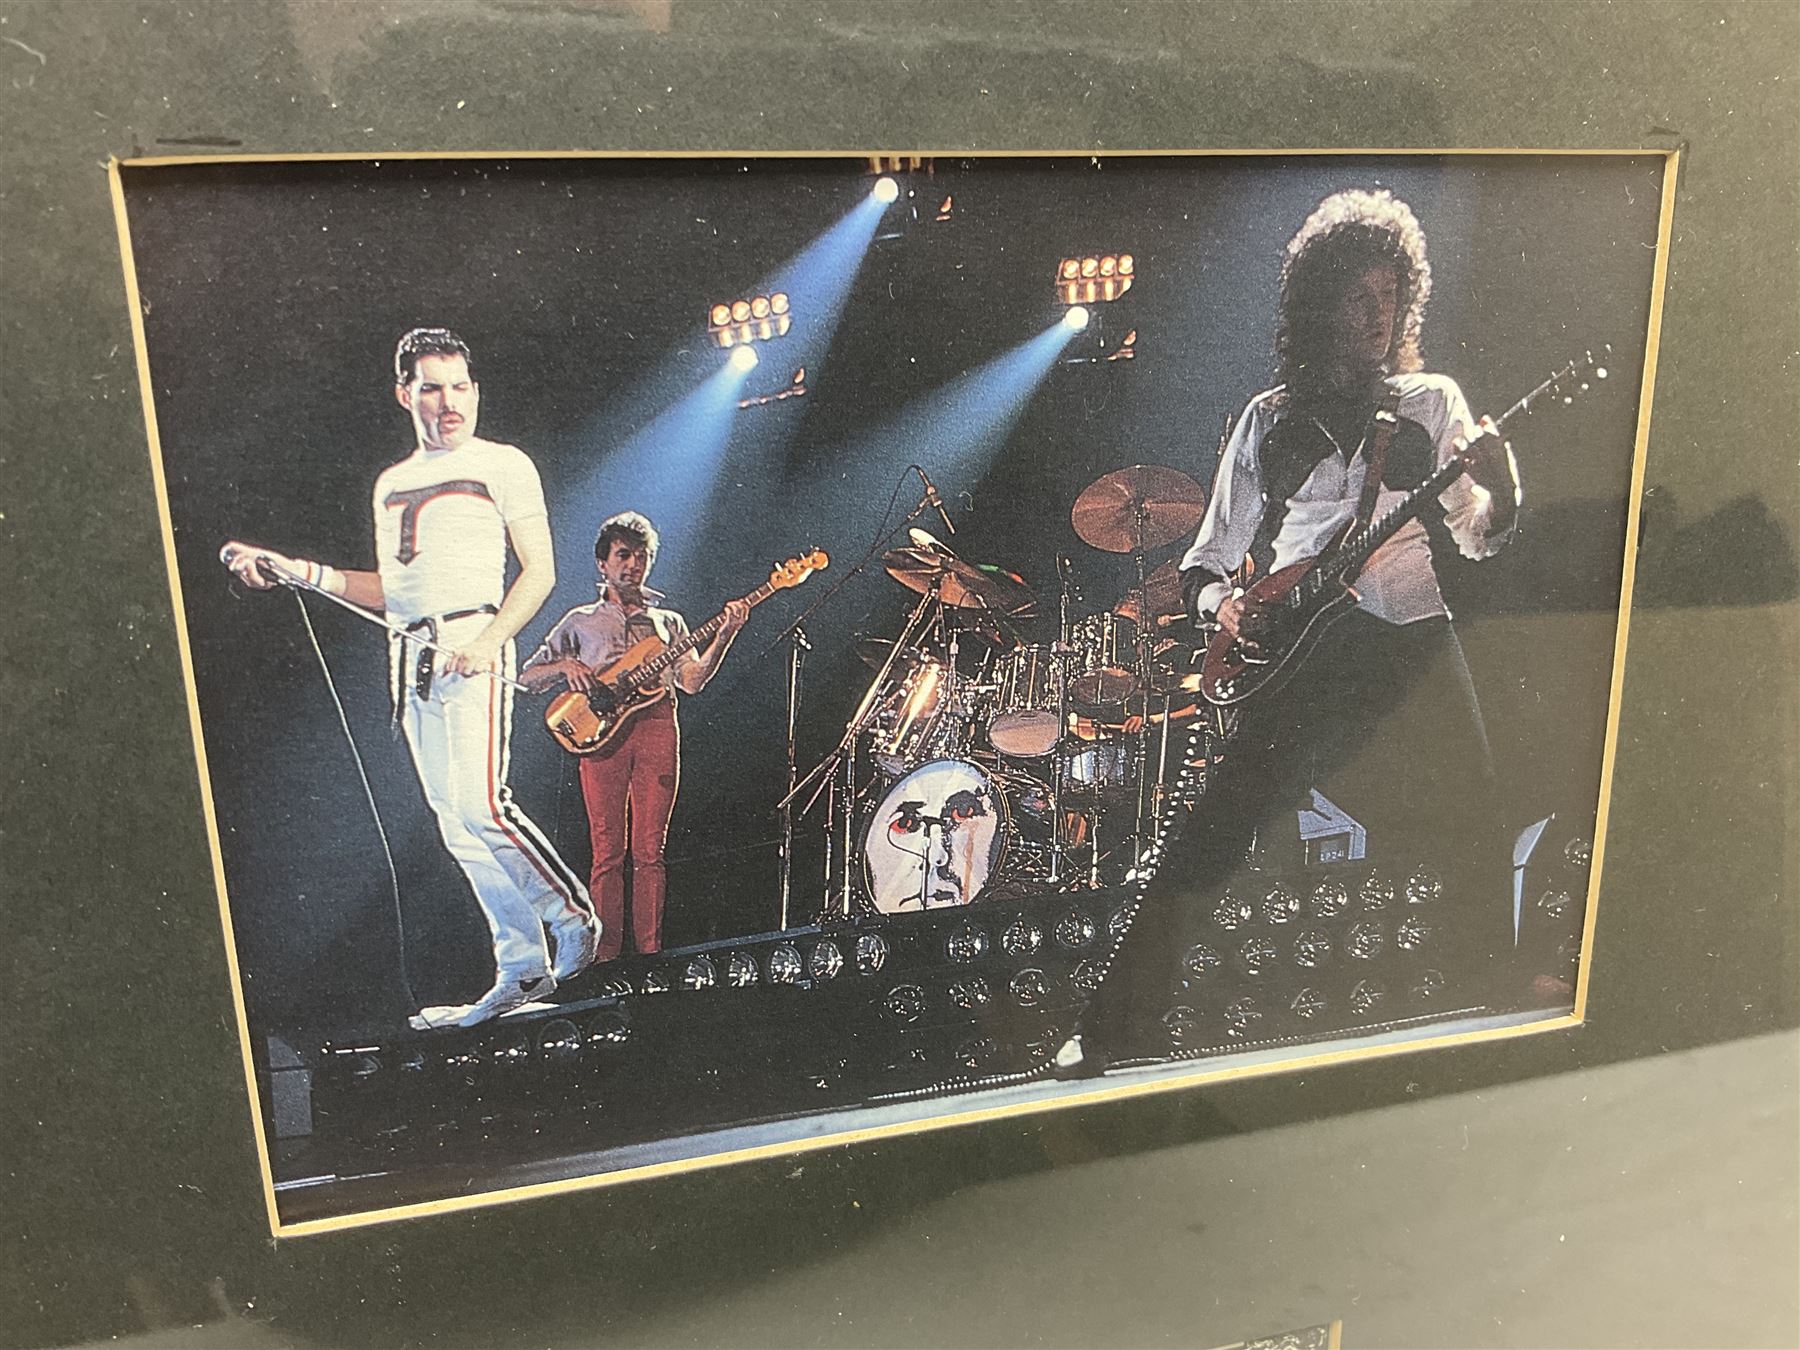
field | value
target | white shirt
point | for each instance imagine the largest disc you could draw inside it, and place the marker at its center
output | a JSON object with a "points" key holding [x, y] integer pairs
{"points": [[441, 519], [1398, 583]]}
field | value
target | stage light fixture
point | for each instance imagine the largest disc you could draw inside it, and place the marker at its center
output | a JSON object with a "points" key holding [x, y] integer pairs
{"points": [[966, 943], [1258, 955], [742, 358], [1097, 277], [1428, 984], [1241, 1016], [1076, 318], [972, 1054], [559, 1041], [608, 1027], [1075, 930], [700, 973], [1329, 899], [740, 970], [1377, 893], [886, 190], [785, 964], [970, 994], [1412, 934], [1183, 1025], [1021, 938], [1367, 996], [1232, 913], [1201, 960], [826, 961], [1365, 941], [1307, 1004], [871, 953], [904, 1003], [754, 318], [1030, 988], [1312, 948], [1281, 904], [1424, 887]]}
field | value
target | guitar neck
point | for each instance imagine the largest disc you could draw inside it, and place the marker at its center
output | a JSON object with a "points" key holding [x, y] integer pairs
{"points": [[656, 665], [1359, 547]]}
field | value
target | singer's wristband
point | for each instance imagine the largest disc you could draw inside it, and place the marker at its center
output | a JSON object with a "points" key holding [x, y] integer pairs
{"points": [[318, 574]]}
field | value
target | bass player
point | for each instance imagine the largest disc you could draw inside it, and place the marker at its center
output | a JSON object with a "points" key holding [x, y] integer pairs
{"points": [[629, 784], [1385, 704]]}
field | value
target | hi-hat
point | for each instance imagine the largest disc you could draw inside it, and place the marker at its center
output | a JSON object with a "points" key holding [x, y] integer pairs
{"points": [[1136, 509]]}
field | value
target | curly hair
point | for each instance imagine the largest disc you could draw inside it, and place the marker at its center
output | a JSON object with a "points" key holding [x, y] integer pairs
{"points": [[628, 527], [1347, 233], [428, 342]]}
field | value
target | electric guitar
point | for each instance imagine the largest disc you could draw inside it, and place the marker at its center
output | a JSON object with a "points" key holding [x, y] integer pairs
{"points": [[584, 721], [1297, 603]]}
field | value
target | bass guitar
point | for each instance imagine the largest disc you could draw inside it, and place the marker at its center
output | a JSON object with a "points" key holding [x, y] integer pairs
{"points": [[1297, 603], [585, 720]]}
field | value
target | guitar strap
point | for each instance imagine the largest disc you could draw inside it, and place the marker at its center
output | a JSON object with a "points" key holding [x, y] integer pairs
{"points": [[1382, 426]]}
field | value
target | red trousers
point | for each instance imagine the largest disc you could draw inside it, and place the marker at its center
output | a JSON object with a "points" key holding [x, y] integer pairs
{"points": [[629, 788]]}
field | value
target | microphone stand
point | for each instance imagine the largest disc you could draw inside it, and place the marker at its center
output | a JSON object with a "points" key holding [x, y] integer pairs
{"points": [[796, 659], [824, 772]]}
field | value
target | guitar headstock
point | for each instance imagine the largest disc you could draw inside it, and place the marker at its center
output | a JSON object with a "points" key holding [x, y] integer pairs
{"points": [[796, 570], [1576, 377]]}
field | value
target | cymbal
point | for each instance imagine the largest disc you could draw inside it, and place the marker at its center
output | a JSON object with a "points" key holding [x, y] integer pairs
{"points": [[959, 584], [1143, 507], [1162, 588], [873, 653]]}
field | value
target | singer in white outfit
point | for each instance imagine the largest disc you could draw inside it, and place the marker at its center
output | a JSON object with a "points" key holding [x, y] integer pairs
{"points": [[444, 518]]}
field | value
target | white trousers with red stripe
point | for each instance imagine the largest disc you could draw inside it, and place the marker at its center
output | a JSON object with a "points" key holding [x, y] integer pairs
{"points": [[459, 736]]}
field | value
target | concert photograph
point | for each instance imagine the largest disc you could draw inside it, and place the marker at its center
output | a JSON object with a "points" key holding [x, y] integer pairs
{"points": [[697, 659]]}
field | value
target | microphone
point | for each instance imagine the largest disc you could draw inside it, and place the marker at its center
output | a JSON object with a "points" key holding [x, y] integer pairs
{"points": [[932, 498]]}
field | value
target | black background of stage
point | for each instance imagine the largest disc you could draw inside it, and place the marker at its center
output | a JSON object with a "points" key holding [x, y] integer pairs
{"points": [[273, 297], [131, 1179]]}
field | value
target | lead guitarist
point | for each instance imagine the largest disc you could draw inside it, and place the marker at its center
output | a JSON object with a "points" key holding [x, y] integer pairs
{"points": [[1383, 715], [629, 784]]}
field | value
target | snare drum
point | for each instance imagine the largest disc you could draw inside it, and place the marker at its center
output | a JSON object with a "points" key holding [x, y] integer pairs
{"points": [[1105, 659], [1027, 719]]}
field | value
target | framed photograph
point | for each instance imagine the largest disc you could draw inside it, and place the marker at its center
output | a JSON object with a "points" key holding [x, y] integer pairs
{"points": [[695, 658]]}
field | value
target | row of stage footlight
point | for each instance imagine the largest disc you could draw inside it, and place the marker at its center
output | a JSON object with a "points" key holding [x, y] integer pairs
{"points": [[986, 989]]}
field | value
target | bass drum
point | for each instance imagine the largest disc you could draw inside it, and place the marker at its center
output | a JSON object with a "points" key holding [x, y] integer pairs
{"points": [[949, 833]]}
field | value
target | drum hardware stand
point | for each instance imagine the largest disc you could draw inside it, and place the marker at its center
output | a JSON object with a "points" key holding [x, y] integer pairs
{"points": [[796, 659], [794, 634], [1144, 621], [841, 795]]}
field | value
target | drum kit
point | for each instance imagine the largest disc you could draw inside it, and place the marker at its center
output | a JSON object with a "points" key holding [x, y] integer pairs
{"points": [[979, 762]]}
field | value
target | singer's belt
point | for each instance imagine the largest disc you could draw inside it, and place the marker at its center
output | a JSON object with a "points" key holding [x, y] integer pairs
{"points": [[427, 627]]}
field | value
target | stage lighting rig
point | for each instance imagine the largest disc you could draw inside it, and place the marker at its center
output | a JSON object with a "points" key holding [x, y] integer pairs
{"points": [[795, 388], [904, 179], [1094, 279], [756, 319]]}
